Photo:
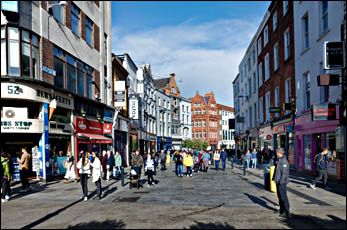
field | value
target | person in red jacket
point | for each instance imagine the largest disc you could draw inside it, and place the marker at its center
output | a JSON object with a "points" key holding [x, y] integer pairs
{"points": [[103, 164]]}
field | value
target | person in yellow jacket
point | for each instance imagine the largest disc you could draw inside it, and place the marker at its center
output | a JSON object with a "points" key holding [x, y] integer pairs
{"points": [[188, 162]]}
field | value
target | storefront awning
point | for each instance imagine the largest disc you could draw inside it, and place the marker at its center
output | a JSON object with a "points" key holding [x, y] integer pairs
{"points": [[93, 138]]}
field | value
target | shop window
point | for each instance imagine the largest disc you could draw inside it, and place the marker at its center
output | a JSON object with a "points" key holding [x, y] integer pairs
{"points": [[307, 151], [3, 52], [25, 55], [35, 57], [71, 74], [13, 54], [331, 145], [75, 20]]}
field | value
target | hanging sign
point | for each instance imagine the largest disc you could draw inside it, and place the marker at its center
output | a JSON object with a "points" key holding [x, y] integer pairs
{"points": [[324, 112], [119, 94]]}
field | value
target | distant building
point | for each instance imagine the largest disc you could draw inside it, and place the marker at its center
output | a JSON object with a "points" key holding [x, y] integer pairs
{"points": [[205, 119], [225, 135]]}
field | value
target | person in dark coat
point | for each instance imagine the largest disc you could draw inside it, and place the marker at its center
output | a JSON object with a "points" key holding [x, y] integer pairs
{"points": [[282, 179], [103, 164], [110, 163]]}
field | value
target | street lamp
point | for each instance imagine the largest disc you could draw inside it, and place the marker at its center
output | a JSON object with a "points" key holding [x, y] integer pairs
{"points": [[61, 3]]}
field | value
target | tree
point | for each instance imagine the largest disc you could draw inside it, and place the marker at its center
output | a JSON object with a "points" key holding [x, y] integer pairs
{"points": [[188, 144], [197, 144], [204, 145]]}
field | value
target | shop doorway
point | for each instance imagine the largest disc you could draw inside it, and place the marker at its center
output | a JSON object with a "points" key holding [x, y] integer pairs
{"points": [[319, 143]]}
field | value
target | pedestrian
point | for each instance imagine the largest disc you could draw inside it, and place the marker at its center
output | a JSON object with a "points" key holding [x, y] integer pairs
{"points": [[70, 168], [104, 164], [149, 168], [109, 165], [188, 162], [282, 179], [223, 157], [96, 165], [162, 156], [321, 162], [179, 163], [254, 158], [206, 158], [137, 160], [216, 159], [248, 158], [118, 164], [5, 178], [84, 170], [24, 169]]}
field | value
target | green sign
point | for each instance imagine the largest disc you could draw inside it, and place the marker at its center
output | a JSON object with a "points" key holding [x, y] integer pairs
{"points": [[275, 109]]}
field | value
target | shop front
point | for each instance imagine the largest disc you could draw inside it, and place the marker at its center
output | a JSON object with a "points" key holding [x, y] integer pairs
{"points": [[311, 138], [89, 136], [253, 138], [164, 143], [120, 129], [25, 121], [266, 138], [284, 138]]}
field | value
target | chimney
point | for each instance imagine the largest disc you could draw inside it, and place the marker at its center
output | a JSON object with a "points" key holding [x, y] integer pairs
{"points": [[172, 75]]}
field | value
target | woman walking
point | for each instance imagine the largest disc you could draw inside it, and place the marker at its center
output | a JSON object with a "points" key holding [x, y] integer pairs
{"points": [[206, 158], [118, 164], [254, 158], [179, 163], [149, 170], [188, 162], [84, 170], [70, 168], [110, 164], [217, 160], [96, 164], [248, 158]]}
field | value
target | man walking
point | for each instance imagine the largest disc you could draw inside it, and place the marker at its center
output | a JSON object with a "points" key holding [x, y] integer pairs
{"points": [[282, 179], [24, 168], [162, 160], [321, 161], [223, 157]]}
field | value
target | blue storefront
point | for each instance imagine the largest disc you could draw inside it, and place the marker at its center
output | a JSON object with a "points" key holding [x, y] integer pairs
{"points": [[164, 143]]}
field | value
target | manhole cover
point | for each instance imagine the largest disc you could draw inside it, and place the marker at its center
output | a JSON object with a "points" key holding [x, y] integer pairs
{"points": [[127, 199]]}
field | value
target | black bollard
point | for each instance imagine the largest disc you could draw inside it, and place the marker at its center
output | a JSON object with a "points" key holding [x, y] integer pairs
{"points": [[232, 163], [122, 175], [244, 168]]}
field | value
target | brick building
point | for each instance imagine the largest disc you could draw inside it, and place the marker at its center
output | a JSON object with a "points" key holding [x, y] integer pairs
{"points": [[58, 51], [276, 73], [205, 118]]}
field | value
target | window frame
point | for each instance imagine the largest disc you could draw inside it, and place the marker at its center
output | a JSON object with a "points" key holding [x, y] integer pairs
{"points": [[267, 67], [74, 10], [287, 53], [285, 7], [266, 35], [306, 32], [274, 25], [276, 57], [323, 16], [89, 25], [260, 74]]}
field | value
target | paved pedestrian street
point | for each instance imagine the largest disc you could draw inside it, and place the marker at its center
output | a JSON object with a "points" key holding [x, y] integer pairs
{"points": [[207, 200]]}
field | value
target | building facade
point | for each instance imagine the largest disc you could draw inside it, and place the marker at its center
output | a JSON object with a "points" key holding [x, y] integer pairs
{"points": [[205, 119], [55, 66], [186, 118], [312, 136], [226, 136], [164, 116]]}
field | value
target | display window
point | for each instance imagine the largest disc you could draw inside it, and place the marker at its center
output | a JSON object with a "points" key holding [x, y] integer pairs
{"points": [[307, 151]]}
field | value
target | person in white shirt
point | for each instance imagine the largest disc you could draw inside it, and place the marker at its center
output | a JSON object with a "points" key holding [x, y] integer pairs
{"points": [[96, 164], [149, 169], [84, 170], [216, 160]]}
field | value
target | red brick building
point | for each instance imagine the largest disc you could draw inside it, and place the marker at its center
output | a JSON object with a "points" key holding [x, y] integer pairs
{"points": [[205, 118], [276, 75]]}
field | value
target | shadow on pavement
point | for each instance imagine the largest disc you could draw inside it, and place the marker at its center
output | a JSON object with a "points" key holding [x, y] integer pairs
{"points": [[49, 216], [312, 222], [35, 188], [259, 201], [107, 224], [199, 225]]}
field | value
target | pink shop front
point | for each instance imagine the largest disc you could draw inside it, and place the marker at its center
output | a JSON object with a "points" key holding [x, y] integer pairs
{"points": [[311, 138]]}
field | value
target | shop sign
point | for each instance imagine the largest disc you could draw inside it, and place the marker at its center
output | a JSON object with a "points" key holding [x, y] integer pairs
{"points": [[289, 128], [108, 115], [48, 70], [121, 125], [88, 126], [21, 126], [279, 129], [324, 112], [119, 94], [265, 131], [333, 55], [108, 128], [268, 137], [275, 109], [35, 93], [59, 128], [134, 109]]}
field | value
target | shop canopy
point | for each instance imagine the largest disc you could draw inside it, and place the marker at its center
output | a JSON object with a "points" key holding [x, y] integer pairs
{"points": [[93, 138]]}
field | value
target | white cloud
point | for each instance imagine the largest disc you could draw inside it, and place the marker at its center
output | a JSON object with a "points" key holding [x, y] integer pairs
{"points": [[205, 57]]}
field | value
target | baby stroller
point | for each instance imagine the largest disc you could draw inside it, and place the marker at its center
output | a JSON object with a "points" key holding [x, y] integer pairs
{"points": [[135, 177], [197, 166]]}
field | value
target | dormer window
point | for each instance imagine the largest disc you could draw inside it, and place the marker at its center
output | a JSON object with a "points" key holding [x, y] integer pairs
{"points": [[173, 90]]}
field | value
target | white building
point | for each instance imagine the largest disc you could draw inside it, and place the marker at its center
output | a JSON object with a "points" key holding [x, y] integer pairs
{"points": [[163, 115], [314, 23], [226, 135], [186, 118]]}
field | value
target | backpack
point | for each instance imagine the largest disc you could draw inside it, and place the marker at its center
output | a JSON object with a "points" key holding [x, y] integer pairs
{"points": [[320, 160]]}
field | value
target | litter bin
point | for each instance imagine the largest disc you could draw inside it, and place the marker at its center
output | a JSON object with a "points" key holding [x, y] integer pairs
{"points": [[267, 177], [272, 183], [168, 160]]}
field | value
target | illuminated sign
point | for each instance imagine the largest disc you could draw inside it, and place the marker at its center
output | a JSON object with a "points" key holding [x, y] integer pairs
{"points": [[324, 112]]}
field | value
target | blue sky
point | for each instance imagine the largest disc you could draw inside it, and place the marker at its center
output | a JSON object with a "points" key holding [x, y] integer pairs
{"points": [[202, 42]]}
